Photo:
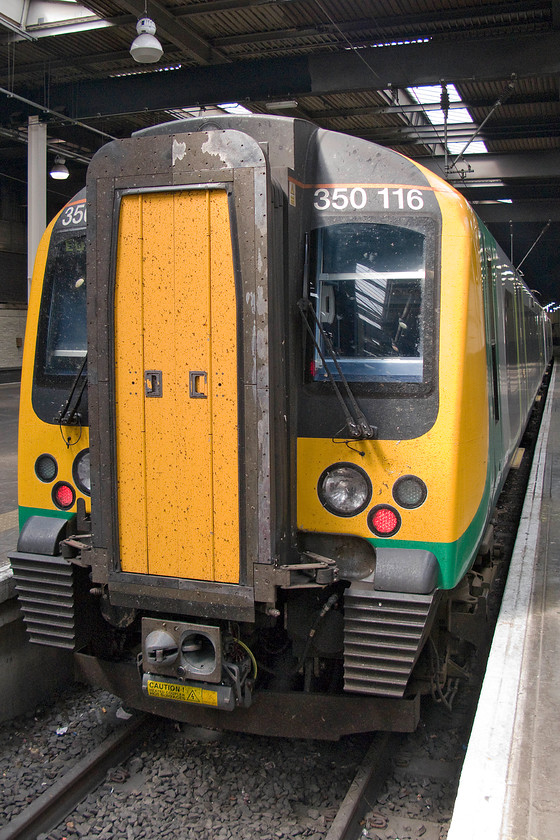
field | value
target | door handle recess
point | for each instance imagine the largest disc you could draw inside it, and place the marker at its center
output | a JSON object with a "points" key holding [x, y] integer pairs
{"points": [[197, 384], [153, 386]]}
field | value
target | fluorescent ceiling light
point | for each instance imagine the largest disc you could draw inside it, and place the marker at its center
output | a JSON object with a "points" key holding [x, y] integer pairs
{"points": [[208, 110], [145, 69], [282, 105], [382, 44]]}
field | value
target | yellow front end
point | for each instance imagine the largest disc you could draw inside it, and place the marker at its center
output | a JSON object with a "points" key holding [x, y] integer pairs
{"points": [[451, 458], [37, 439]]}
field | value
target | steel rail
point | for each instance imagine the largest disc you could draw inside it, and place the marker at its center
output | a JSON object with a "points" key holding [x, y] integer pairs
{"points": [[365, 788], [52, 806]]}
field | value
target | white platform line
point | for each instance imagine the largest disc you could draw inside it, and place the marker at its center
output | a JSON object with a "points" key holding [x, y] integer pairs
{"points": [[8, 520], [481, 796]]}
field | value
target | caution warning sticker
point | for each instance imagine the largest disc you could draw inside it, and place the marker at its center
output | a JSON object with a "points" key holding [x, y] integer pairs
{"points": [[185, 693]]}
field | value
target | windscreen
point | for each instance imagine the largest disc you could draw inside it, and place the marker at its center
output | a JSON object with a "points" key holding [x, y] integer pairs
{"points": [[367, 287], [65, 312], [61, 337]]}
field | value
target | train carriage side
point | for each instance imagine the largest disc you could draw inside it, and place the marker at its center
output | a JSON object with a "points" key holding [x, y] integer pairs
{"points": [[518, 352]]}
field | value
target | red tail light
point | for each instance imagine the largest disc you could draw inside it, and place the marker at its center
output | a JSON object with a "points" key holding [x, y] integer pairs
{"points": [[63, 495], [384, 521]]}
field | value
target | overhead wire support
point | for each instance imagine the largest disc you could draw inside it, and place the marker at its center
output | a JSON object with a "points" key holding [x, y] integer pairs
{"points": [[500, 101], [540, 236], [444, 103]]}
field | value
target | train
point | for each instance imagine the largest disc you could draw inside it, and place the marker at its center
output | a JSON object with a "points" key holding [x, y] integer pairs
{"points": [[274, 379]]}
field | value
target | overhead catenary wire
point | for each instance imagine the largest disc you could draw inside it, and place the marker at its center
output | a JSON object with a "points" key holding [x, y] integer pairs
{"points": [[374, 73], [352, 46]]}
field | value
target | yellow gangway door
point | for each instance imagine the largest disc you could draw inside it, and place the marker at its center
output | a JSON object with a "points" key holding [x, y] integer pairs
{"points": [[176, 386]]}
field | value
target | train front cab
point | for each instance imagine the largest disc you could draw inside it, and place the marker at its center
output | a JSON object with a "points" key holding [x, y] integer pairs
{"points": [[196, 375], [176, 538], [449, 409], [53, 448], [254, 506]]}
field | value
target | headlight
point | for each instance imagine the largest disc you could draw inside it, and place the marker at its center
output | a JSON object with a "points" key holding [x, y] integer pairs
{"points": [[344, 489], [81, 472], [46, 468], [410, 492]]}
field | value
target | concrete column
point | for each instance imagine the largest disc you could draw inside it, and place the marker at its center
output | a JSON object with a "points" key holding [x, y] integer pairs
{"points": [[36, 189]]}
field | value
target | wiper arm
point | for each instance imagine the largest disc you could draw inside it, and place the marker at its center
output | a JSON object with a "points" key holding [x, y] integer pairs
{"points": [[69, 408], [356, 421]]}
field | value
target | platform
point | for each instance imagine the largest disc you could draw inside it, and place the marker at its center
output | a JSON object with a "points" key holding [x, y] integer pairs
{"points": [[29, 674], [9, 402], [511, 774]]}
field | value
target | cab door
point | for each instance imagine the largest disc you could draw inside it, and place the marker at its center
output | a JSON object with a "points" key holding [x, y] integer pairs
{"points": [[176, 391]]}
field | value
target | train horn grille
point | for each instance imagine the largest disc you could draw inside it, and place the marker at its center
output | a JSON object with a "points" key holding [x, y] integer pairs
{"points": [[45, 588], [383, 635]]}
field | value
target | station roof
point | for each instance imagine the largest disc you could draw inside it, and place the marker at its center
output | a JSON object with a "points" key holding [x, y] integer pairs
{"points": [[371, 68]]}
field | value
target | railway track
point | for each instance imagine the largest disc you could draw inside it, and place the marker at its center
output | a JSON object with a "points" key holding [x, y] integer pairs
{"points": [[365, 789], [397, 785], [365, 811], [56, 805], [155, 778], [188, 783], [46, 812]]}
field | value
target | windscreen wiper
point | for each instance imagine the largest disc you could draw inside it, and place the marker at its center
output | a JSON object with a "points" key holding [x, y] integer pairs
{"points": [[68, 414], [356, 421]]}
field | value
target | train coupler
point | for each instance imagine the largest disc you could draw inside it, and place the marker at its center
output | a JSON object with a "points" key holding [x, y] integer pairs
{"points": [[195, 663]]}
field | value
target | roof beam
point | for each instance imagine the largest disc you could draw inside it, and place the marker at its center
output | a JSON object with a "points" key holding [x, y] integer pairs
{"points": [[208, 7], [459, 132], [386, 28], [539, 98], [508, 168], [515, 7], [280, 78], [518, 211], [486, 59]]}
